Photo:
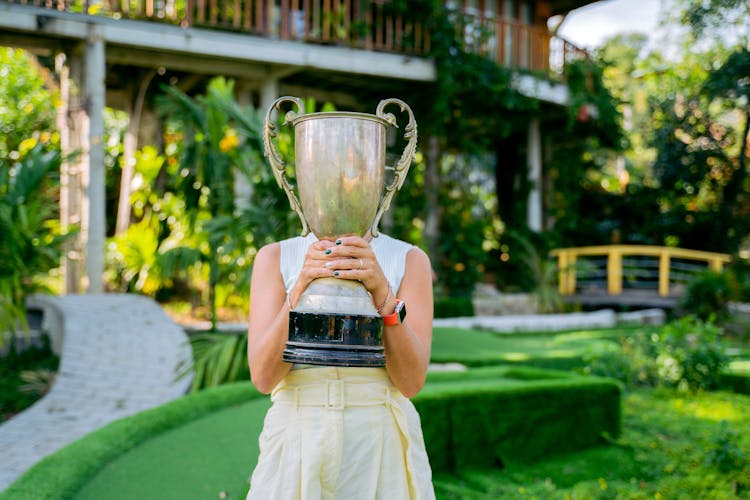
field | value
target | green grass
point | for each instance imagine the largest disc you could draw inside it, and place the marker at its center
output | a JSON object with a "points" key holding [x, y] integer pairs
{"points": [[671, 447], [201, 459], [480, 348]]}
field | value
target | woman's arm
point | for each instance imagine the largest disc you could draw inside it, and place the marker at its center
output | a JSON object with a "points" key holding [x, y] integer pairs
{"points": [[269, 316], [407, 346], [268, 322]]}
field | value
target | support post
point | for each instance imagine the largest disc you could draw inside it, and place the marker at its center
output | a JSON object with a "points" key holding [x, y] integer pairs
{"points": [[614, 272], [70, 122], [664, 262], [534, 163], [93, 176]]}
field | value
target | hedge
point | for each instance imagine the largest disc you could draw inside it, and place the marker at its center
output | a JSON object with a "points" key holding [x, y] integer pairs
{"points": [[63, 473], [474, 419], [486, 418], [735, 381]]}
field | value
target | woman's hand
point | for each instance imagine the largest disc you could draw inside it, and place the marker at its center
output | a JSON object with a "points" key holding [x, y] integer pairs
{"points": [[313, 267], [352, 258]]}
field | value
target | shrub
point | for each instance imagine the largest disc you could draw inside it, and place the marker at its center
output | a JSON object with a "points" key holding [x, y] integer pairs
{"points": [[686, 353], [218, 358], [709, 293], [695, 349], [726, 455], [453, 307]]}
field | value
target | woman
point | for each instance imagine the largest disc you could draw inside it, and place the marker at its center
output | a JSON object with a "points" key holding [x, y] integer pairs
{"points": [[368, 448]]}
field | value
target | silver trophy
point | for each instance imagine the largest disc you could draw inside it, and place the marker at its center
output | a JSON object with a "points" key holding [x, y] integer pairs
{"points": [[341, 179]]}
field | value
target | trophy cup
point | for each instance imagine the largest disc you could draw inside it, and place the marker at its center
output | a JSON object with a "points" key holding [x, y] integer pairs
{"points": [[341, 180]]}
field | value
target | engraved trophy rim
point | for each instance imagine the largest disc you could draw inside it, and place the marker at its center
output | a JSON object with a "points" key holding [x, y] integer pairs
{"points": [[339, 114]]}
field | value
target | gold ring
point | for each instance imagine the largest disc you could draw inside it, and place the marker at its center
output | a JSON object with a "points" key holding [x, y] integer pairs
{"points": [[360, 263]]}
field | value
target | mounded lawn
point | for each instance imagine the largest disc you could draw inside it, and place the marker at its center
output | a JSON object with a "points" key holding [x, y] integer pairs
{"points": [[544, 349], [202, 459]]}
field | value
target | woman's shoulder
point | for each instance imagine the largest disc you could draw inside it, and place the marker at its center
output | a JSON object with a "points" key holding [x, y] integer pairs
{"points": [[268, 251]]}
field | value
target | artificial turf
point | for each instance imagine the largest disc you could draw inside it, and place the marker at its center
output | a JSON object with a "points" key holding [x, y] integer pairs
{"points": [[211, 457], [562, 351]]}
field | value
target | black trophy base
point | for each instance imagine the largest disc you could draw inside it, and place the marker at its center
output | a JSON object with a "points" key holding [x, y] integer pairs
{"points": [[328, 339]]}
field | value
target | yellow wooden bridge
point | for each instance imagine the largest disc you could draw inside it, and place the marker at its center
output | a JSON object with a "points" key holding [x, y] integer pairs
{"points": [[630, 275]]}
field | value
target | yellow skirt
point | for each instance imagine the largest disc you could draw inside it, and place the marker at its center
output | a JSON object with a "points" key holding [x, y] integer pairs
{"points": [[341, 433]]}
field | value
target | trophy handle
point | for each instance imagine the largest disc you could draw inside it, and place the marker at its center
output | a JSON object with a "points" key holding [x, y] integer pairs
{"points": [[274, 158], [402, 167]]}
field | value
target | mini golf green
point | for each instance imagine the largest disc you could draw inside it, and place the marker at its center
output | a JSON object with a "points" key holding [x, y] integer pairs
{"points": [[202, 457]]}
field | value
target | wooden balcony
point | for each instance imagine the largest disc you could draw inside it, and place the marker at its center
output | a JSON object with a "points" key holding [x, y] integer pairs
{"points": [[362, 24], [513, 44]]}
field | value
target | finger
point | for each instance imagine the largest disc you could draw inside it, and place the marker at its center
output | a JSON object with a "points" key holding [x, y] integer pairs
{"points": [[348, 263], [351, 274], [350, 251], [355, 241]]}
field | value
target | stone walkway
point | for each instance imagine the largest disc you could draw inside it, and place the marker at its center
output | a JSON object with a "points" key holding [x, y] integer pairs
{"points": [[118, 355]]}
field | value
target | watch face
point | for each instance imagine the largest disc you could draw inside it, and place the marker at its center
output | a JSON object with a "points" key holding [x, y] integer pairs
{"points": [[401, 311]]}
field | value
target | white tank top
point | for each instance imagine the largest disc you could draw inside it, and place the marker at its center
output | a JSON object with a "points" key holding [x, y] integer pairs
{"points": [[390, 253]]}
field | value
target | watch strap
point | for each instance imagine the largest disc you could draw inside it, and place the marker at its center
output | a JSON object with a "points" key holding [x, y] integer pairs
{"points": [[397, 316]]}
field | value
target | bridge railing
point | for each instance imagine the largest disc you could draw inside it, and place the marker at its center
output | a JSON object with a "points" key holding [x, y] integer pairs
{"points": [[615, 267]]}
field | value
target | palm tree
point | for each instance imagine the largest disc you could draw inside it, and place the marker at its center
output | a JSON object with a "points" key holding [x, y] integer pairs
{"points": [[211, 149]]}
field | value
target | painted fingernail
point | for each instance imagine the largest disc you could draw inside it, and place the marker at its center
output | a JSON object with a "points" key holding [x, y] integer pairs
{"points": [[338, 242], [328, 251], [336, 273]]}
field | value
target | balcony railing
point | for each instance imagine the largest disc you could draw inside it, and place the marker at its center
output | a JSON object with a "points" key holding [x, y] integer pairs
{"points": [[365, 24], [513, 44]]}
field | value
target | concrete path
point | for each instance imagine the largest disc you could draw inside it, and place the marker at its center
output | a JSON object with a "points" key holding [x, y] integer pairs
{"points": [[605, 318], [118, 356]]}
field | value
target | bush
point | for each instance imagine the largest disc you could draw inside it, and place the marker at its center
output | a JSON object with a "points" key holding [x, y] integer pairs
{"points": [[686, 353], [453, 307], [726, 455], [14, 397], [709, 293], [736, 382]]}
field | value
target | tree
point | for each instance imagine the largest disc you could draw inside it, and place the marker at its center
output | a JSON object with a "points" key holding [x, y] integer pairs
{"points": [[30, 238], [31, 242], [210, 150]]}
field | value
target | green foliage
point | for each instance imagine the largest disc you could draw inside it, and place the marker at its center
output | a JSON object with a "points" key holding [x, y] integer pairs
{"points": [[27, 106], [189, 237], [709, 293], [735, 381], [14, 396], [529, 252], [683, 178], [726, 455], [465, 212], [686, 353], [32, 239], [660, 454], [218, 358], [453, 307]]}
